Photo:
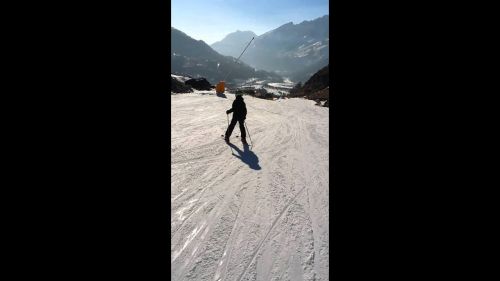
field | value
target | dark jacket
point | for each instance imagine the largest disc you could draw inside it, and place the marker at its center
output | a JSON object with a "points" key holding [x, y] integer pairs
{"points": [[239, 108]]}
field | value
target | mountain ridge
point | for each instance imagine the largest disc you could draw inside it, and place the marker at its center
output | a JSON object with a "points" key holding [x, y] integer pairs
{"points": [[196, 58], [295, 51], [233, 43]]}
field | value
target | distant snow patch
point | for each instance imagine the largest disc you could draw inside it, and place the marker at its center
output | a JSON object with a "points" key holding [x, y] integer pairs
{"points": [[180, 78]]}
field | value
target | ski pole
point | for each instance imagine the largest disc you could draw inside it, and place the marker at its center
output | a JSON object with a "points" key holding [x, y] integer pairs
{"points": [[248, 133]]}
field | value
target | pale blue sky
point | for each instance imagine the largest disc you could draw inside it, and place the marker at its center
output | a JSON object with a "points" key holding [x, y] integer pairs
{"points": [[212, 20]]}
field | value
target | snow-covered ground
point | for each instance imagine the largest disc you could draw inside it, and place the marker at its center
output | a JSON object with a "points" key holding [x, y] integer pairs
{"points": [[257, 213]]}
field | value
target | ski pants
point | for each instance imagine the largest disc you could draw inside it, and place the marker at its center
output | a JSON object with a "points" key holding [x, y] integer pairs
{"points": [[231, 127]]}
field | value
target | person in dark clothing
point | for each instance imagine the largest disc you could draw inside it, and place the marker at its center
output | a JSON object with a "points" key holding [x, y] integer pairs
{"points": [[239, 111]]}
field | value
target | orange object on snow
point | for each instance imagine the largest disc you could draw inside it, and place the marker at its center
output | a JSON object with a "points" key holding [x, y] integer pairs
{"points": [[219, 89]]}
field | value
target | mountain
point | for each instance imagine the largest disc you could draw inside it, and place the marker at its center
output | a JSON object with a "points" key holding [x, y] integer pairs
{"points": [[317, 87], [195, 58], [234, 43], [295, 51]]}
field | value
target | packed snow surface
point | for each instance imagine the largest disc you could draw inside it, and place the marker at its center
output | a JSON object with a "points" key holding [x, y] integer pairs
{"points": [[258, 212]]}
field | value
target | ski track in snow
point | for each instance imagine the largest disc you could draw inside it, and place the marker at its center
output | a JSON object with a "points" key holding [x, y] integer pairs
{"points": [[249, 214]]}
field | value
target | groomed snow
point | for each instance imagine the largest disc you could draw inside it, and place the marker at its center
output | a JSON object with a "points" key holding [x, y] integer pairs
{"points": [[249, 214]]}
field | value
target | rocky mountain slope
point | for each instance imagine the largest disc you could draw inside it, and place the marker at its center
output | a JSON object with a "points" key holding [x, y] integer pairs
{"points": [[196, 59], [317, 87], [295, 51]]}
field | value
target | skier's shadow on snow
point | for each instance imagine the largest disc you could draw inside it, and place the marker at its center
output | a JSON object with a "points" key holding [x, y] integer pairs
{"points": [[221, 96], [247, 156]]}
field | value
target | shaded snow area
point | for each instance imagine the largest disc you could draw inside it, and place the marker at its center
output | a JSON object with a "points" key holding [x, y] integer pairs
{"points": [[258, 212]]}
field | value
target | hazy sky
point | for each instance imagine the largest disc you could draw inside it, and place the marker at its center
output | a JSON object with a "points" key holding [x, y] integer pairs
{"points": [[212, 20]]}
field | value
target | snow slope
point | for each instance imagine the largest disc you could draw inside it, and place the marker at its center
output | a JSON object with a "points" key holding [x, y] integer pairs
{"points": [[249, 214]]}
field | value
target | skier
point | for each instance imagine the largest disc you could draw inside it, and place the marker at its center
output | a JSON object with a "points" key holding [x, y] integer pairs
{"points": [[239, 111]]}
